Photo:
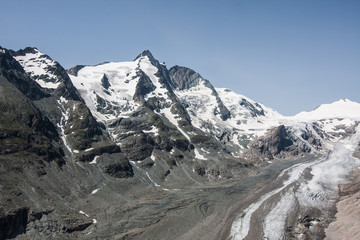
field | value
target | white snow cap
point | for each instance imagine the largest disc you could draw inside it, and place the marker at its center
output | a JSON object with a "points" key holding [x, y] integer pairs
{"points": [[344, 108], [37, 65]]}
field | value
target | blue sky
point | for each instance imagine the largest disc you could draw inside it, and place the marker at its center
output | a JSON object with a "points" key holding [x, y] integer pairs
{"points": [[291, 55]]}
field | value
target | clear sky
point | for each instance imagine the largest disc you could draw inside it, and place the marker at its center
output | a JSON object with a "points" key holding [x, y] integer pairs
{"points": [[291, 55]]}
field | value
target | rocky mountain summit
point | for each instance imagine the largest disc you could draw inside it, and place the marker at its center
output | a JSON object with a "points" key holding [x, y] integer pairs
{"points": [[90, 150]]}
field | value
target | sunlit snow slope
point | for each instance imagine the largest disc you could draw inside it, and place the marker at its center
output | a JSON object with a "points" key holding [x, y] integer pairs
{"points": [[108, 86], [40, 67]]}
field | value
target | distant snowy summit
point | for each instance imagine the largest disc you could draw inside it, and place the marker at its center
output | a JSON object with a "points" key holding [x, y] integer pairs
{"points": [[344, 108]]}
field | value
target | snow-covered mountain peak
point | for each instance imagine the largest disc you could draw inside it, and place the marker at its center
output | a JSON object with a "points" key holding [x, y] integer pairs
{"points": [[116, 89], [148, 54], [39, 66], [345, 100], [343, 108]]}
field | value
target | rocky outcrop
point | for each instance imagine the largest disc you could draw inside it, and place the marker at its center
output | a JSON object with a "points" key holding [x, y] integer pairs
{"points": [[139, 148], [276, 143], [116, 165], [48, 224], [77, 226], [255, 110], [185, 78], [74, 70], [105, 82], [310, 225], [89, 156], [312, 138], [143, 87], [147, 53]]}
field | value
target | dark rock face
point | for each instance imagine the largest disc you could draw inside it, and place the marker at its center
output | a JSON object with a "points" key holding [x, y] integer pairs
{"points": [[74, 70], [118, 168], [254, 111], [148, 54], [138, 148], [105, 107], [77, 226], [38, 214], [143, 87], [313, 140], [25, 51], [185, 78], [277, 143], [13, 223], [24, 127], [105, 82], [66, 88], [222, 111], [183, 145], [90, 155], [279, 140]]}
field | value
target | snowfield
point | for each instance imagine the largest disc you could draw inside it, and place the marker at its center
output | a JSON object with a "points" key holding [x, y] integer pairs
{"points": [[38, 66], [122, 78]]}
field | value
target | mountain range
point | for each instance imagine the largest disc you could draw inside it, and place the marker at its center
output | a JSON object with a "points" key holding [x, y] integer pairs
{"points": [[111, 150]]}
